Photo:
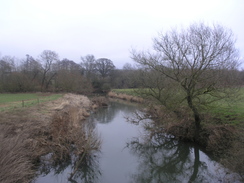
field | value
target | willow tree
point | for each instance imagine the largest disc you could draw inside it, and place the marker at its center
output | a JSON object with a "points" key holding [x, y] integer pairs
{"points": [[201, 60]]}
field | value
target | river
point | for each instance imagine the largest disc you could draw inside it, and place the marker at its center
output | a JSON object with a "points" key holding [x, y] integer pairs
{"points": [[128, 156]]}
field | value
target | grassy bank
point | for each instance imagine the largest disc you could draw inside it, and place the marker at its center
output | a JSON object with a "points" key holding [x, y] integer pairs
{"points": [[126, 94], [56, 127], [229, 111], [10, 101], [223, 126]]}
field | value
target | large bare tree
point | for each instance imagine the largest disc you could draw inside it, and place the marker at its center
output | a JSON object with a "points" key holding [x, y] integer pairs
{"points": [[31, 67], [89, 65], [47, 57], [104, 67], [200, 59], [7, 67]]}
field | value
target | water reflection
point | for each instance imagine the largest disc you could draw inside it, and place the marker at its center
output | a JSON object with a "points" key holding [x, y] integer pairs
{"points": [[79, 165], [81, 169], [107, 115], [87, 171], [47, 166], [165, 160], [103, 115], [147, 158]]}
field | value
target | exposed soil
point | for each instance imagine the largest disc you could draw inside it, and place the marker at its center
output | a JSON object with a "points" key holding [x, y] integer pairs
{"points": [[51, 127]]}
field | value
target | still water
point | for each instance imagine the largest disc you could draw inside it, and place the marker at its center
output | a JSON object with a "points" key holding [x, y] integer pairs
{"points": [[128, 156]]}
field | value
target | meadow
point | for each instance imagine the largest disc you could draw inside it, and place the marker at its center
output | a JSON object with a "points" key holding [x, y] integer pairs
{"points": [[230, 111], [10, 101]]}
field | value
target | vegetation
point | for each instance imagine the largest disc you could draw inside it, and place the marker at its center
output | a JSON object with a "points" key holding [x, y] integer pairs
{"points": [[128, 91], [126, 97], [222, 131], [48, 73], [10, 101], [192, 88], [56, 128], [190, 83], [229, 112], [190, 64]]}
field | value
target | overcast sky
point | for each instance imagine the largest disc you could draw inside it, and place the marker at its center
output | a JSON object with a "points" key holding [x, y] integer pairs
{"points": [[105, 28]]}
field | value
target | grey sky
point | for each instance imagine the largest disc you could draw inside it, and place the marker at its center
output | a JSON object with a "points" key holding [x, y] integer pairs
{"points": [[105, 28]]}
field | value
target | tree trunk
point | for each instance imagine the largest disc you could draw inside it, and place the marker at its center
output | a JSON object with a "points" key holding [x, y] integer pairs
{"points": [[196, 117], [196, 164], [43, 80], [49, 80]]}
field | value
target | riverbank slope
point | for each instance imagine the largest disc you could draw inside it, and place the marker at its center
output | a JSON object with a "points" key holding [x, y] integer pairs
{"points": [[221, 137], [51, 127]]}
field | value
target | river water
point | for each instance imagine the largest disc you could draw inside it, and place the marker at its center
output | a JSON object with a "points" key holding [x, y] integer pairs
{"points": [[128, 156]]}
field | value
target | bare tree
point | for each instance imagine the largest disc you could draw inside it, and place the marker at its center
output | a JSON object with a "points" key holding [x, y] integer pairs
{"points": [[89, 65], [31, 67], [67, 65], [201, 60], [154, 85], [48, 58], [69, 77], [7, 66], [128, 66], [104, 67]]}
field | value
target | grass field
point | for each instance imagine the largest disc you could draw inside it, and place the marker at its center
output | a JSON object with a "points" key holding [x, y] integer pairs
{"points": [[10, 101], [231, 112]]}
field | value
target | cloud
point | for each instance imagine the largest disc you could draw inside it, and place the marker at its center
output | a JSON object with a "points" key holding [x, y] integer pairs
{"points": [[107, 28]]}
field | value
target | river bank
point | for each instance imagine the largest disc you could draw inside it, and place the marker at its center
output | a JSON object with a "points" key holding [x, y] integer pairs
{"points": [[57, 128], [129, 154], [224, 141], [53, 127]]}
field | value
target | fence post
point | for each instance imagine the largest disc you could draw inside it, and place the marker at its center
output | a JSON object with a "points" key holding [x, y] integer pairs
{"points": [[23, 103]]}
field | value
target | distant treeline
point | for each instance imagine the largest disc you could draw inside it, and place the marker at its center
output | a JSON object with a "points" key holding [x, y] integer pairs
{"points": [[49, 73]]}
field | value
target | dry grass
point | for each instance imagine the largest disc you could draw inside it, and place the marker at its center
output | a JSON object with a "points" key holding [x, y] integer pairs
{"points": [[126, 97], [99, 102], [55, 127], [15, 165], [225, 141]]}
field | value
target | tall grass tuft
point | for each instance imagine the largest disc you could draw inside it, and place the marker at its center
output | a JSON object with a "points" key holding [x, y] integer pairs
{"points": [[15, 164]]}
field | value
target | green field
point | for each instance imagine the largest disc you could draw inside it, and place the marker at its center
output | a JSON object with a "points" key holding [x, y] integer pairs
{"points": [[231, 111], [10, 101]]}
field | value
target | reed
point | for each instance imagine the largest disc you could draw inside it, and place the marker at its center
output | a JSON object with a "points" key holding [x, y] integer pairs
{"points": [[15, 164]]}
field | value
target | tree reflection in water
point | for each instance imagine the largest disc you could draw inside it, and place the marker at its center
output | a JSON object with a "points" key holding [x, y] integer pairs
{"points": [[106, 115], [165, 160], [87, 169], [77, 166]]}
